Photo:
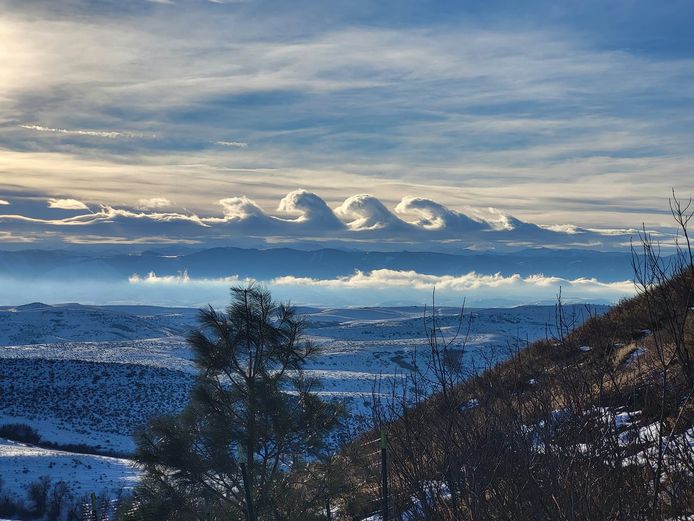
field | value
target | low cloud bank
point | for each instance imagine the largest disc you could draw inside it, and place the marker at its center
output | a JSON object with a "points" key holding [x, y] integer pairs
{"points": [[390, 287], [376, 288]]}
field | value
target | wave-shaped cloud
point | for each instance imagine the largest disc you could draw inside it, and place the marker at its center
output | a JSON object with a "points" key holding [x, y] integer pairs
{"points": [[435, 216], [241, 209], [311, 209], [362, 218], [366, 212]]}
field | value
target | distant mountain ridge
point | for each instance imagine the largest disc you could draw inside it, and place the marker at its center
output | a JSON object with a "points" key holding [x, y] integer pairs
{"points": [[265, 264]]}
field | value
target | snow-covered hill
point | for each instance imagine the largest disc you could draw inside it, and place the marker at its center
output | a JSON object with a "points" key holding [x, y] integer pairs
{"points": [[92, 375], [40, 323], [84, 474]]}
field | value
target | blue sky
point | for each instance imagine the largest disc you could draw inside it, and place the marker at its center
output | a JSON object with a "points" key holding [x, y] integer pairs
{"points": [[455, 124]]}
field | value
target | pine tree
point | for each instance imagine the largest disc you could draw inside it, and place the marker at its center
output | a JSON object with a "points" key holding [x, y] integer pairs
{"points": [[250, 399]]}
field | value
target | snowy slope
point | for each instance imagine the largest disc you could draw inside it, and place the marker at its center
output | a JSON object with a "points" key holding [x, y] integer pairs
{"points": [[40, 323], [98, 391], [103, 390], [21, 464]]}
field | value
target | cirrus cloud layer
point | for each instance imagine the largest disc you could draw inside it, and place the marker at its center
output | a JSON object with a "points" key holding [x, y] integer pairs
{"points": [[558, 112]]}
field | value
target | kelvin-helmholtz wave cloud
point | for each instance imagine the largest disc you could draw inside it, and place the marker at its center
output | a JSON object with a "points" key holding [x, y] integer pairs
{"points": [[300, 218]]}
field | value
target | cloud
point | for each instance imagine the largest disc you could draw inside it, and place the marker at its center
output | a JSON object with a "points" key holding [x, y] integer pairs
{"points": [[361, 220], [233, 144], [9, 237], [67, 204], [111, 134], [390, 286], [311, 209], [494, 112], [182, 278], [498, 219], [3, 202], [570, 229], [435, 216], [383, 278], [241, 209], [109, 225], [126, 241], [152, 278], [153, 202], [366, 212]]}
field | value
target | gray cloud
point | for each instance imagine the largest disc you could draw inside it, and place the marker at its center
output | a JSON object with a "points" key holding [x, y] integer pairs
{"points": [[154, 202]]}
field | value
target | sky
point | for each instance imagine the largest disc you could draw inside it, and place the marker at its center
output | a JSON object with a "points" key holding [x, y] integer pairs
{"points": [[434, 125]]}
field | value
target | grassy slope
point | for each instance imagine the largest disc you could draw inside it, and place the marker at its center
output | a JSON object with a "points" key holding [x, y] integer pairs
{"points": [[546, 433]]}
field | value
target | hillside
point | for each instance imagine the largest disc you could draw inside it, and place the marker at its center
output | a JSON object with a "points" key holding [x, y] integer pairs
{"points": [[86, 377], [596, 423], [39, 323]]}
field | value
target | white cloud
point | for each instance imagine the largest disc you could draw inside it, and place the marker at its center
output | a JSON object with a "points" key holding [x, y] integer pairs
{"points": [[233, 144], [311, 209], [385, 278], [384, 286], [241, 208], [366, 212], [153, 202], [12, 238], [435, 216], [496, 218], [152, 278], [362, 220], [3, 202], [181, 278], [111, 134], [67, 204], [564, 228]]}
